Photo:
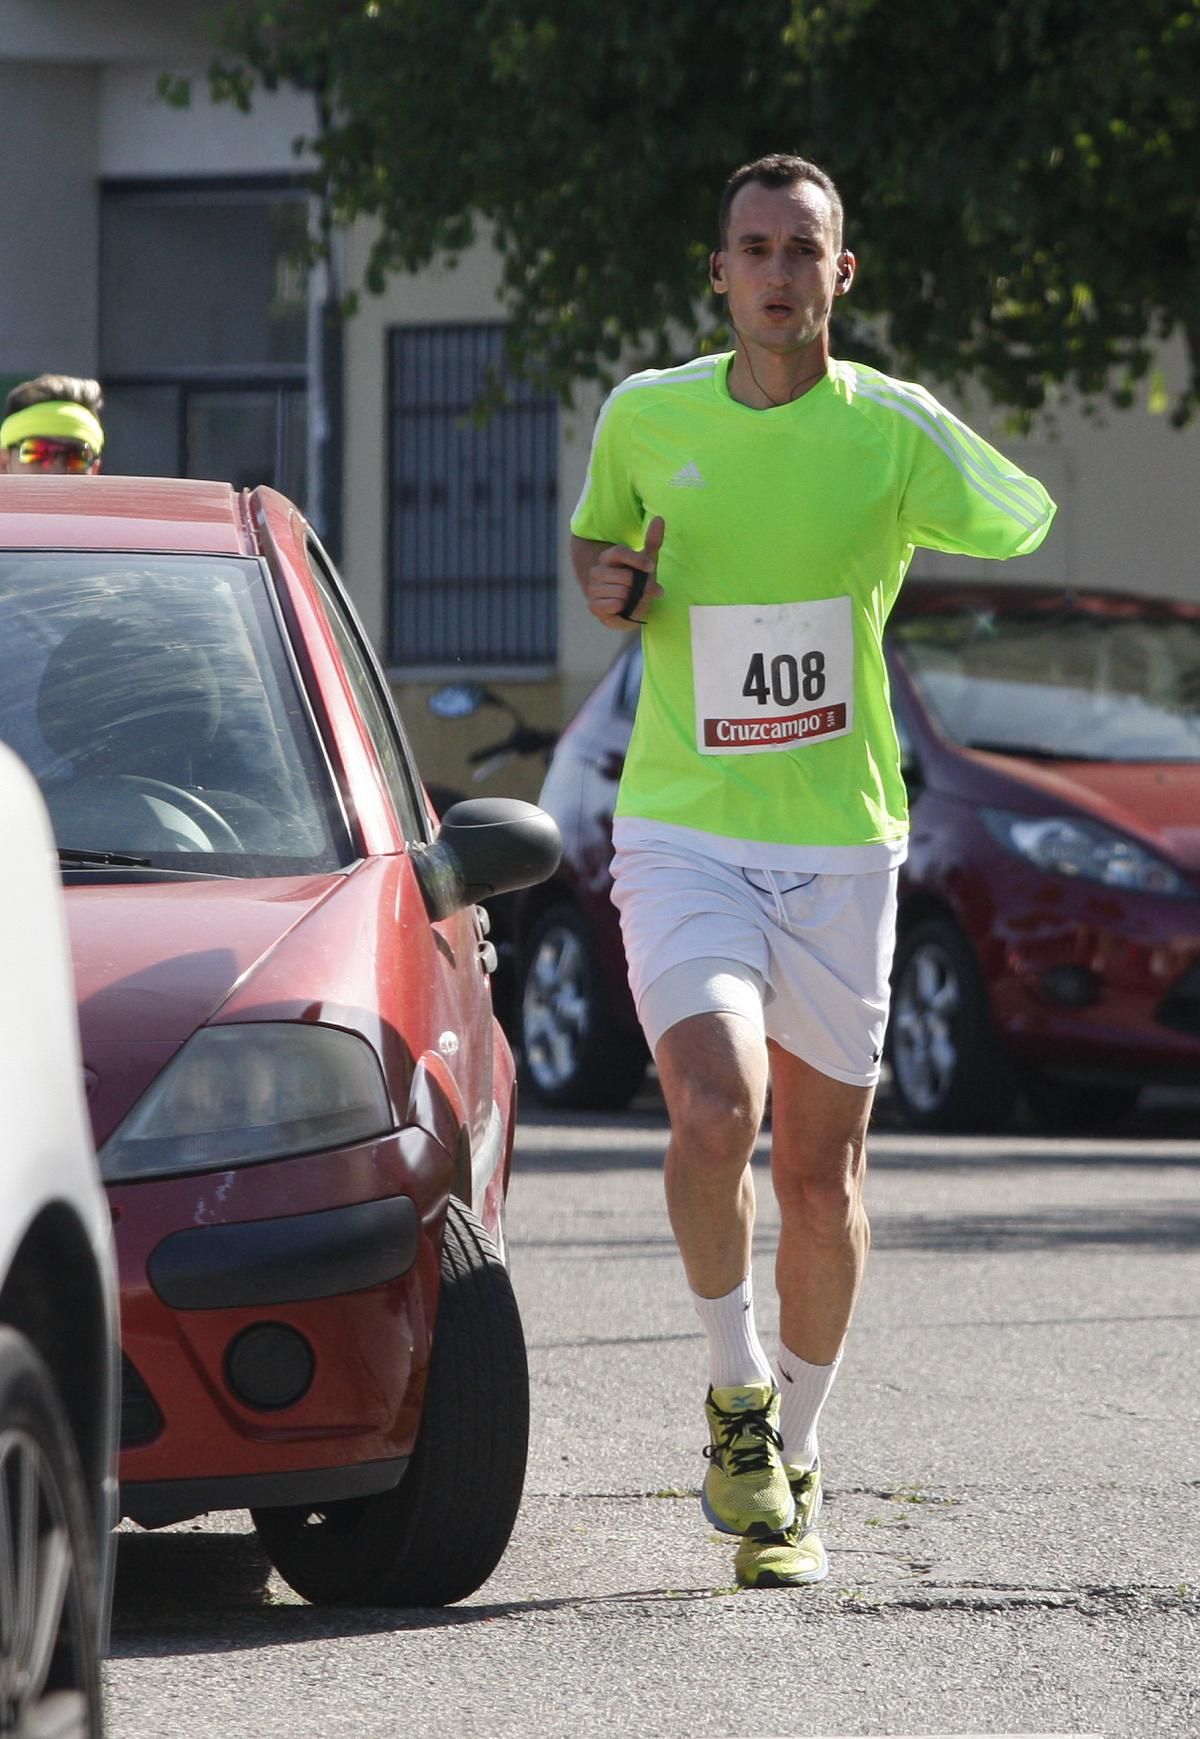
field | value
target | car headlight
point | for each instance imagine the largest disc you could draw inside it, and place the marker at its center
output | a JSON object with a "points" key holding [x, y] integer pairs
{"points": [[236, 1095], [1071, 847]]}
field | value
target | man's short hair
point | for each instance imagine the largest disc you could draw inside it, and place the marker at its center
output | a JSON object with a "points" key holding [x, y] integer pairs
{"points": [[781, 169], [63, 388]]}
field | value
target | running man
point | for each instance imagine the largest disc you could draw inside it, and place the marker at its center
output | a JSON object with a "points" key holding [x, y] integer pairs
{"points": [[758, 511]]}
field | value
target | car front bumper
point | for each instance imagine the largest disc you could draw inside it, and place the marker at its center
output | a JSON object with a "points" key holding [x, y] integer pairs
{"points": [[277, 1325], [1090, 981]]}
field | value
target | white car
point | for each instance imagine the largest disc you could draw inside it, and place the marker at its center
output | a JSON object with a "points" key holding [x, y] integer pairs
{"points": [[58, 1370]]}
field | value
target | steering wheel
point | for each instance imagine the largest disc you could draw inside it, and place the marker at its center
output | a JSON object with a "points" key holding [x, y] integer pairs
{"points": [[221, 836]]}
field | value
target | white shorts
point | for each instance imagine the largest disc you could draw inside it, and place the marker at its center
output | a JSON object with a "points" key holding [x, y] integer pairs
{"points": [[804, 957]]}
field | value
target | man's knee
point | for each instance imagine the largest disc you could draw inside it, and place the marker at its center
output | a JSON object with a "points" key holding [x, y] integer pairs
{"points": [[827, 1200], [714, 1083], [714, 1116]]}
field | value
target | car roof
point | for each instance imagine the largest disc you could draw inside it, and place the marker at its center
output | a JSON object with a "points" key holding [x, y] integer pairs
{"points": [[173, 515], [921, 597]]}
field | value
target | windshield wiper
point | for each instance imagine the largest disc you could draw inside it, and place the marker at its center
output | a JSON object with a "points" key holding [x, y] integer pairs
{"points": [[119, 859], [72, 859]]}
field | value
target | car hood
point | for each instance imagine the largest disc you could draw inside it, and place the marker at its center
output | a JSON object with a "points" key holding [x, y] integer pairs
{"points": [[153, 961], [1157, 802]]}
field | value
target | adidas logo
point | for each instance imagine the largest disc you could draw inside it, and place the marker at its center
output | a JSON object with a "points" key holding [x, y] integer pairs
{"points": [[688, 478]]}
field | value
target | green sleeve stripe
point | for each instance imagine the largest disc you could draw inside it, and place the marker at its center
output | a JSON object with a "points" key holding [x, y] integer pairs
{"points": [[973, 453], [966, 451], [986, 455], [1017, 497]]}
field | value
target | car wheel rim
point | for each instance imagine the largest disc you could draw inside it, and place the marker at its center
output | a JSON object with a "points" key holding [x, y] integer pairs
{"points": [[554, 1009], [43, 1667], [925, 1050]]}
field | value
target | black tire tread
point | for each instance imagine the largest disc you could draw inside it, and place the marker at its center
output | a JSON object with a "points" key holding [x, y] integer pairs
{"points": [[440, 1533]]}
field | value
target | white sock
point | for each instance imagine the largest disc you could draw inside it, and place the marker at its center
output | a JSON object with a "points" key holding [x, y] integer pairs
{"points": [[802, 1391], [735, 1354]]}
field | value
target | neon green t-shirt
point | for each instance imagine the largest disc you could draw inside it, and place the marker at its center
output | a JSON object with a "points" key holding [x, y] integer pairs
{"points": [[764, 712]]}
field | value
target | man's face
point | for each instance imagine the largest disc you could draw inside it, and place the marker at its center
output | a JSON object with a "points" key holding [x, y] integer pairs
{"points": [[50, 455], [781, 268]]}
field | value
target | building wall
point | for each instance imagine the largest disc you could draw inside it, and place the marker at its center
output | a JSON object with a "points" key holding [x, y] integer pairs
{"points": [[78, 95], [1126, 484], [100, 31], [465, 293], [139, 134], [49, 220]]}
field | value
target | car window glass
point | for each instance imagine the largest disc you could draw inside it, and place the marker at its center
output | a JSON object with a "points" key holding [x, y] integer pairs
{"points": [[153, 698], [374, 698], [908, 753], [1106, 679]]}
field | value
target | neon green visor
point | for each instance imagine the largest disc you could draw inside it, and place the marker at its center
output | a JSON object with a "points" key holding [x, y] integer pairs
{"points": [[56, 420]]}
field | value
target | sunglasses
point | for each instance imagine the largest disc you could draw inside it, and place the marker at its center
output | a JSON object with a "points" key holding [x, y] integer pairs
{"points": [[38, 450]]}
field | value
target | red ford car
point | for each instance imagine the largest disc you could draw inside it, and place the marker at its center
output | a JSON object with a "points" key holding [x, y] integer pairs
{"points": [[1049, 924], [302, 1103]]}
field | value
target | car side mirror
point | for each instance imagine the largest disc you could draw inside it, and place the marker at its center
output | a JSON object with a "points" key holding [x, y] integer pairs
{"points": [[486, 846]]}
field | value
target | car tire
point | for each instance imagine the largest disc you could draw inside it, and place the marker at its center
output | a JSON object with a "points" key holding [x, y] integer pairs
{"points": [[1066, 1107], [948, 1069], [49, 1577], [574, 1056], [438, 1535]]}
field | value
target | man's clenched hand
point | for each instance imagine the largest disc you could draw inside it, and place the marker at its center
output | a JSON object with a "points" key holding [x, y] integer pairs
{"points": [[613, 575]]}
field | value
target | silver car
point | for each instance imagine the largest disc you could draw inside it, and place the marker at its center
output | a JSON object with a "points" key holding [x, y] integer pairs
{"points": [[58, 1395]]}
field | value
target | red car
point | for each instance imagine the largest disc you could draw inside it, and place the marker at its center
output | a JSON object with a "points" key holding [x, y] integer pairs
{"points": [[1049, 923], [301, 1100]]}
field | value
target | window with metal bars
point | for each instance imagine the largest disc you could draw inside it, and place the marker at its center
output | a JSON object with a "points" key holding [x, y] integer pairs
{"points": [[204, 331], [473, 505]]}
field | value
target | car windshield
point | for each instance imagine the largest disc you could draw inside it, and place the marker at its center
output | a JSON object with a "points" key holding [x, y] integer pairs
{"points": [[1092, 680], [153, 699]]}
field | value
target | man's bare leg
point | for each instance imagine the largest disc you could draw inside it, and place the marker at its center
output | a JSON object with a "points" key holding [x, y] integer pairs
{"points": [[818, 1162], [713, 1071]]}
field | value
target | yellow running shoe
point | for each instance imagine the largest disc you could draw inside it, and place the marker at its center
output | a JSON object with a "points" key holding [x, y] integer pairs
{"points": [[746, 1489], [794, 1556]]}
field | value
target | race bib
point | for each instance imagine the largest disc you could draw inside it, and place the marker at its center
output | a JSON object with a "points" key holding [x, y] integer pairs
{"points": [[771, 676]]}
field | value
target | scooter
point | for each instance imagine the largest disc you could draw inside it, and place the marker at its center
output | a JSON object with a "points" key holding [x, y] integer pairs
{"points": [[462, 700]]}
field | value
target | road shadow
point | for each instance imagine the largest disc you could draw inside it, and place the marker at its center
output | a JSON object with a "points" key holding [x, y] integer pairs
{"points": [[1166, 1133], [1171, 1227], [197, 1593]]}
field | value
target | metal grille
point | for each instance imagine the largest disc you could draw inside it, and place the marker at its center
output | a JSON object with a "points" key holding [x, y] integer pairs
{"points": [[474, 507]]}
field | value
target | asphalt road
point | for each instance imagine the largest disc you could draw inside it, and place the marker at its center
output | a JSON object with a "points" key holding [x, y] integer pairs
{"points": [[1013, 1481]]}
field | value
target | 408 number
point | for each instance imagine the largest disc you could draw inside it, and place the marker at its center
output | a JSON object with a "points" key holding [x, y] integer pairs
{"points": [[785, 679]]}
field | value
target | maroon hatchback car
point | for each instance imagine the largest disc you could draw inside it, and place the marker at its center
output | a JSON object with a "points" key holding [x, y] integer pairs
{"points": [[1049, 923], [301, 1100]]}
